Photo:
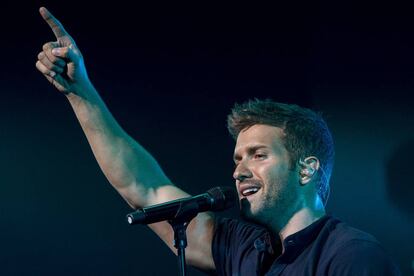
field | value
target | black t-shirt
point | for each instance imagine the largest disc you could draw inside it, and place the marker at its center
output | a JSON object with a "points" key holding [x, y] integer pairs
{"points": [[326, 247]]}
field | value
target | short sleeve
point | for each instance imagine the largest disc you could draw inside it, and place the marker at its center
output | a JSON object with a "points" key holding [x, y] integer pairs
{"points": [[364, 258], [233, 246]]}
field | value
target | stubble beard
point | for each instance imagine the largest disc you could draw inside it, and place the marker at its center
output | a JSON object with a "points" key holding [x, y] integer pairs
{"points": [[272, 208], [258, 210]]}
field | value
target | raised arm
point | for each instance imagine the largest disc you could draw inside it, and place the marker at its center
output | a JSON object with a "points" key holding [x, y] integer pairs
{"points": [[130, 169]]}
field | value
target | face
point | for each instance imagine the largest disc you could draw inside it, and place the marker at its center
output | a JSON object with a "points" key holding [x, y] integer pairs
{"points": [[266, 185]]}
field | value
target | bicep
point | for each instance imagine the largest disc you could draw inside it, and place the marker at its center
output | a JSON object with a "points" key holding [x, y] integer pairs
{"points": [[200, 231]]}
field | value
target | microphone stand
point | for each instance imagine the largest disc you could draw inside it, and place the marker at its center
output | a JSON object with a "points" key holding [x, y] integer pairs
{"points": [[186, 212], [179, 224]]}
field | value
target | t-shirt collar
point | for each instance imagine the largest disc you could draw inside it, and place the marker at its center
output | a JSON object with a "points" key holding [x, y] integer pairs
{"points": [[293, 244]]}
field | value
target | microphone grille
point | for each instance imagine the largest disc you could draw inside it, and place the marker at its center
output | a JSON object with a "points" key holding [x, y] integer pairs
{"points": [[223, 198]]}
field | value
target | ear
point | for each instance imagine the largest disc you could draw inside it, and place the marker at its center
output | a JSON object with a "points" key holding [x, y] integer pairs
{"points": [[308, 168]]}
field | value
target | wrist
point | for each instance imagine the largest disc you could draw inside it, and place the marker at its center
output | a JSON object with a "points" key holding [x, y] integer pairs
{"points": [[83, 92]]}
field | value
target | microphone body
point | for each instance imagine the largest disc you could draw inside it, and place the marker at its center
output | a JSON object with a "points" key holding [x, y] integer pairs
{"points": [[215, 199]]}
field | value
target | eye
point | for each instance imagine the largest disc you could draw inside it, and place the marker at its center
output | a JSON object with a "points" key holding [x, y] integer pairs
{"points": [[259, 156]]}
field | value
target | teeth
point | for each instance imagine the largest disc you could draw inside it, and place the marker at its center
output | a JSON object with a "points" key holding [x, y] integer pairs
{"points": [[250, 191]]}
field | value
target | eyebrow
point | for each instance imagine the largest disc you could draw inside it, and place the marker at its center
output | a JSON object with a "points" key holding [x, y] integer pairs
{"points": [[250, 150]]}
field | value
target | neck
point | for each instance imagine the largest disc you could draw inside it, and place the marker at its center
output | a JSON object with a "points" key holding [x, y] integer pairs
{"points": [[306, 212], [300, 220]]}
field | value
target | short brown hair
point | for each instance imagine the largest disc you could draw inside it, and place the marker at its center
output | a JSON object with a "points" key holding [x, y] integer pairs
{"points": [[306, 133]]}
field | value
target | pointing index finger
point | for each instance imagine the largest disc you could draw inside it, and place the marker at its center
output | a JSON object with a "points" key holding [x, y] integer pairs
{"points": [[54, 24]]}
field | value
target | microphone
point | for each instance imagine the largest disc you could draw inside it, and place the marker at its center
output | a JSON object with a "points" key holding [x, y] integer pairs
{"points": [[215, 199]]}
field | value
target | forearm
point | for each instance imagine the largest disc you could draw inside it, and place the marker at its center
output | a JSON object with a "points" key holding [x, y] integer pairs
{"points": [[131, 170]]}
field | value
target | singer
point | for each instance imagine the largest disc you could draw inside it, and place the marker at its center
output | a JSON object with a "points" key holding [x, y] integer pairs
{"points": [[283, 161]]}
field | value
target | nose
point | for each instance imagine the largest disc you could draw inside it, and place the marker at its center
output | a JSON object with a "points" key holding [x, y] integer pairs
{"points": [[242, 172]]}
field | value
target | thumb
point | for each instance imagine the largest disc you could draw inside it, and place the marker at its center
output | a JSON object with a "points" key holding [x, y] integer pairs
{"points": [[67, 52]]}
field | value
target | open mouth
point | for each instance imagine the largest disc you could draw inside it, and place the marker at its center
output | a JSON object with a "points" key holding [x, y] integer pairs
{"points": [[249, 190]]}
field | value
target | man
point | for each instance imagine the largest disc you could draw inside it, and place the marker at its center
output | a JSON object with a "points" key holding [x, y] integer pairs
{"points": [[283, 157]]}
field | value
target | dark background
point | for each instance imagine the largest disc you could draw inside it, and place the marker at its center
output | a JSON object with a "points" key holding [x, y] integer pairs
{"points": [[170, 74]]}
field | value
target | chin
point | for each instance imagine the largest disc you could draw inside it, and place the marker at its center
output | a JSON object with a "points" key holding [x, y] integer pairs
{"points": [[245, 209], [247, 213]]}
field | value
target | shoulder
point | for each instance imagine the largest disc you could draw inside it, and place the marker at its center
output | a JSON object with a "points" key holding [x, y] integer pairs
{"points": [[342, 234], [355, 252]]}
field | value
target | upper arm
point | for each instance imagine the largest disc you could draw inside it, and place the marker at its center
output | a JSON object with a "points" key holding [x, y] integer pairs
{"points": [[139, 179], [200, 231]]}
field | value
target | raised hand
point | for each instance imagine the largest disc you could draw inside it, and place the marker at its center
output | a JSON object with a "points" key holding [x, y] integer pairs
{"points": [[60, 61]]}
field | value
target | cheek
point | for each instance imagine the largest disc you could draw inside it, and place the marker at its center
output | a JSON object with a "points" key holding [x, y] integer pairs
{"points": [[271, 172], [275, 179]]}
